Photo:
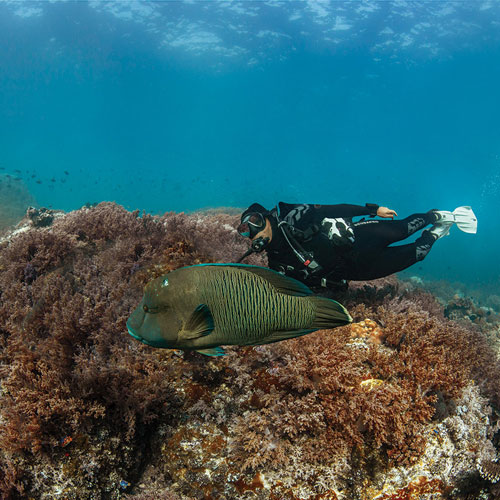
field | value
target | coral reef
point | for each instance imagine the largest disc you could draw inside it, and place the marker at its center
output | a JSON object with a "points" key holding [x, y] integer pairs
{"points": [[471, 308], [403, 402]]}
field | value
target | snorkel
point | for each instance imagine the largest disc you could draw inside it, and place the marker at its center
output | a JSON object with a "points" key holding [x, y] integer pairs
{"points": [[257, 246]]}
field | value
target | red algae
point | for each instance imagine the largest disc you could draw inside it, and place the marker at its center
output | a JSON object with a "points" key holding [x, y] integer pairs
{"points": [[214, 445], [195, 392], [415, 489], [256, 484]]}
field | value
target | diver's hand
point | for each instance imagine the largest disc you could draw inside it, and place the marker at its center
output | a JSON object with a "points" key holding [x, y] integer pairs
{"points": [[386, 213]]}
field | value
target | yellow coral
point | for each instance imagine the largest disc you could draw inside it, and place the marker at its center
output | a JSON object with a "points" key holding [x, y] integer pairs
{"points": [[368, 329], [371, 383]]}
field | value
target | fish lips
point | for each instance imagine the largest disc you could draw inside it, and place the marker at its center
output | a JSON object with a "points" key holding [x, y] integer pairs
{"points": [[135, 324], [136, 321], [131, 332], [151, 343]]}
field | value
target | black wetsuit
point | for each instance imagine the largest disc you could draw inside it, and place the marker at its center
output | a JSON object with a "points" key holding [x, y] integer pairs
{"points": [[355, 251]]}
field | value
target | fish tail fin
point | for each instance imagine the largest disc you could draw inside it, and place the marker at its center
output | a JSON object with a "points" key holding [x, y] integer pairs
{"points": [[329, 313]]}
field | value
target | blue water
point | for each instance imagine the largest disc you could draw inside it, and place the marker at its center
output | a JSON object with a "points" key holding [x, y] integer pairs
{"points": [[186, 105]]}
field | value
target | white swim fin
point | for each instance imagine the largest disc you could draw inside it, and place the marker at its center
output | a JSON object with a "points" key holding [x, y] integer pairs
{"points": [[440, 230], [465, 219], [443, 217]]}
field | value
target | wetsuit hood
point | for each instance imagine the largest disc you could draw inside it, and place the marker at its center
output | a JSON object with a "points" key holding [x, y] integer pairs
{"points": [[277, 240]]}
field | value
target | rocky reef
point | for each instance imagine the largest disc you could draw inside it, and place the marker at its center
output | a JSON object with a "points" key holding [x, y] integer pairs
{"points": [[401, 404]]}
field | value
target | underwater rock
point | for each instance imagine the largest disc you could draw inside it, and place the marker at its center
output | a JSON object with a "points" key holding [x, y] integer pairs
{"points": [[453, 447], [40, 217]]}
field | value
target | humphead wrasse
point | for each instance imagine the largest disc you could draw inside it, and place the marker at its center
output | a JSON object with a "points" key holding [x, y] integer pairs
{"points": [[206, 306]]}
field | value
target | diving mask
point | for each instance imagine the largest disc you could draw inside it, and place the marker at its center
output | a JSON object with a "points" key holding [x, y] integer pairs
{"points": [[252, 224]]}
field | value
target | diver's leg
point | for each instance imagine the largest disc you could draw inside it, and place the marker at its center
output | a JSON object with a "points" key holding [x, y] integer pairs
{"points": [[380, 233], [382, 262]]}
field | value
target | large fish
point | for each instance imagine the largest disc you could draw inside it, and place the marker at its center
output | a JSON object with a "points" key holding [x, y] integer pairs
{"points": [[203, 307]]}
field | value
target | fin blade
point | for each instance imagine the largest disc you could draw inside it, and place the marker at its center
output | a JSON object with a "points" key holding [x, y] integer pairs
{"points": [[214, 351], [465, 219], [200, 324], [329, 313]]}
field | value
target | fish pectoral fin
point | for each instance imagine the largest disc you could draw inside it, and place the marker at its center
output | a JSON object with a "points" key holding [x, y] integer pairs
{"points": [[214, 351], [279, 335], [199, 324]]}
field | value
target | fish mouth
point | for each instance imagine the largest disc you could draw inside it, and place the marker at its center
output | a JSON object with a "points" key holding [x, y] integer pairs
{"points": [[137, 337], [150, 343], [131, 332], [135, 322]]}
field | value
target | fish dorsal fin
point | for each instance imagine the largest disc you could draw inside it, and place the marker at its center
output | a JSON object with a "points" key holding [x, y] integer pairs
{"points": [[199, 324], [282, 283]]}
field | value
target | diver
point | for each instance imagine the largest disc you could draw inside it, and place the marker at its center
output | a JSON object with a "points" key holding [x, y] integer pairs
{"points": [[322, 246]]}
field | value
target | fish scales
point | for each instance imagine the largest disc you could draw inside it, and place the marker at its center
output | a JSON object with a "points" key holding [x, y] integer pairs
{"points": [[225, 295], [259, 307]]}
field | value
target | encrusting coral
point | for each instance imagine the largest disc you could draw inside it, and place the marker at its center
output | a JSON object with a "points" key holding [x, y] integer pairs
{"points": [[88, 412]]}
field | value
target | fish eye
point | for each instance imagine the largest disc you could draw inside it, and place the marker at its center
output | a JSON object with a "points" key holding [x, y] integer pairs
{"points": [[150, 310], [165, 282]]}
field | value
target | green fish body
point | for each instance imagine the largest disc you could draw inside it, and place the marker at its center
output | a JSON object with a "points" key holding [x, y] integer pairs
{"points": [[206, 306]]}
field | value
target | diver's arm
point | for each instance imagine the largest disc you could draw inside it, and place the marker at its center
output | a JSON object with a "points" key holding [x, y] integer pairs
{"points": [[345, 210]]}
